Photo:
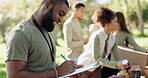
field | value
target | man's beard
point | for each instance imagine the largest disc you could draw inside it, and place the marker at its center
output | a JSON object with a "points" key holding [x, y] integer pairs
{"points": [[48, 21]]}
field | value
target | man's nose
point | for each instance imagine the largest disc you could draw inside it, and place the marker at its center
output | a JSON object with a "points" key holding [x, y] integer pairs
{"points": [[61, 18]]}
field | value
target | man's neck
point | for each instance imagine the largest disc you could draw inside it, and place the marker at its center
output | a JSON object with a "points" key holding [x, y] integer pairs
{"points": [[38, 18], [74, 17]]}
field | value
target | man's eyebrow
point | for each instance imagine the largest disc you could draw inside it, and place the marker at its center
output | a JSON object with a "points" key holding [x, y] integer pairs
{"points": [[63, 12]]}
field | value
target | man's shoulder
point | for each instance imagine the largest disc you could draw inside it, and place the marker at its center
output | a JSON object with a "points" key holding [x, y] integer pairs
{"points": [[69, 21], [24, 27]]}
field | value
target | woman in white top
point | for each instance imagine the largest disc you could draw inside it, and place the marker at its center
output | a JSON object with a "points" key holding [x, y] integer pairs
{"points": [[102, 43]]}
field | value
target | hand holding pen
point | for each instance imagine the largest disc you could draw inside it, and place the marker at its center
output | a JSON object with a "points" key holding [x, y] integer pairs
{"points": [[67, 67]]}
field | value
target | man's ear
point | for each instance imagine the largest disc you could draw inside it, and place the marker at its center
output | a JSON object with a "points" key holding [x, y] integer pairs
{"points": [[48, 4], [74, 9]]}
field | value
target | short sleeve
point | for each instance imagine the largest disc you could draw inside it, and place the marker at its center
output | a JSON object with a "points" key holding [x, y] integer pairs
{"points": [[17, 46]]}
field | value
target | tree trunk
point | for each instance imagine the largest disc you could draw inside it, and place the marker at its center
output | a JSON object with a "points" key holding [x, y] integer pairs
{"points": [[3, 29], [140, 18], [3, 35], [128, 16]]}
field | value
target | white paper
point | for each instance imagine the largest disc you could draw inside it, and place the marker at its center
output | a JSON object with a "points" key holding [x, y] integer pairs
{"points": [[79, 70]]}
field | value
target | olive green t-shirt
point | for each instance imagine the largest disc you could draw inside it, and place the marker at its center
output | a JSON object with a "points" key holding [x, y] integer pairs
{"points": [[26, 43]]}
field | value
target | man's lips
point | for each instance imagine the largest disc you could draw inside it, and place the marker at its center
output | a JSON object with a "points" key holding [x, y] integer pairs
{"points": [[54, 23]]}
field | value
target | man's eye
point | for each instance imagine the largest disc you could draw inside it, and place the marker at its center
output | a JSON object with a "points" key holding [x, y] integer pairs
{"points": [[60, 14]]}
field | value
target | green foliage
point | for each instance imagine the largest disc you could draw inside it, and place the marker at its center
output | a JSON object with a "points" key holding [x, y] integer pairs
{"points": [[134, 18], [2, 74], [142, 35], [145, 12], [2, 65]]}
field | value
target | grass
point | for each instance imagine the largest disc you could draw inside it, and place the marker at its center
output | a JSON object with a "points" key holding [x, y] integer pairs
{"points": [[2, 61], [142, 41], [3, 74]]}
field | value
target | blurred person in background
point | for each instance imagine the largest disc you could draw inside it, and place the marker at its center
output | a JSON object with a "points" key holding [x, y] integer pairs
{"points": [[102, 43], [124, 36], [72, 31]]}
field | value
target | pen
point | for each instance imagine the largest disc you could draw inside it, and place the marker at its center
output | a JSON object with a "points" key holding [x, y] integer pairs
{"points": [[63, 57]]}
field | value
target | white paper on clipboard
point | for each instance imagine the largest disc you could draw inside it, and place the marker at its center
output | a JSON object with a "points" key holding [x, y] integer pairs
{"points": [[79, 70]]}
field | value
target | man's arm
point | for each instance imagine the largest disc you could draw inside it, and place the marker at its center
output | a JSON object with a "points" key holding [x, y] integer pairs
{"points": [[16, 69]]}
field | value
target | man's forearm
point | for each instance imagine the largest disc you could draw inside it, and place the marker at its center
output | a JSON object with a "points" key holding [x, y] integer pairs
{"points": [[28, 74]]}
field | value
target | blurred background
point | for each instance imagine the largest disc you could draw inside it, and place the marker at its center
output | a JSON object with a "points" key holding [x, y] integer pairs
{"points": [[14, 11]]}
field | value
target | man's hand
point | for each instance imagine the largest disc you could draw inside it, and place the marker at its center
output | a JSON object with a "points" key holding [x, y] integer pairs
{"points": [[67, 67], [79, 75]]}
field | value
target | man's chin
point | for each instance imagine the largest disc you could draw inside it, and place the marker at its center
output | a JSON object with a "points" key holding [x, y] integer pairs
{"points": [[50, 30], [79, 18]]}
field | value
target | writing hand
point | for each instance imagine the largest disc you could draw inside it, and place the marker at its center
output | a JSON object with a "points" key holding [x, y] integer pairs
{"points": [[67, 67]]}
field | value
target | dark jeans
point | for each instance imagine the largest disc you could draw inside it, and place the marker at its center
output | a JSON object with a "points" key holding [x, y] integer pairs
{"points": [[107, 72]]}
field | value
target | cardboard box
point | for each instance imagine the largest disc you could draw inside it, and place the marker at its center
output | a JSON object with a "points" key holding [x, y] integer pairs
{"points": [[134, 57]]}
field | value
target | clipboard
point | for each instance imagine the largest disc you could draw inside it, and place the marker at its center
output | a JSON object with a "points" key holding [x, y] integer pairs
{"points": [[79, 70]]}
